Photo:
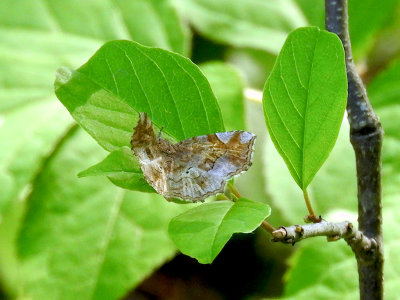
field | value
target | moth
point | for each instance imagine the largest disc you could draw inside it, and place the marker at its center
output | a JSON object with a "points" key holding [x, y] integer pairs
{"points": [[195, 168]]}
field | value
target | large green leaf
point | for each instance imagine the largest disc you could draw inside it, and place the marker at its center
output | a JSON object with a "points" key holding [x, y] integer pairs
{"points": [[304, 100], [83, 238], [119, 79], [203, 231], [255, 24]]}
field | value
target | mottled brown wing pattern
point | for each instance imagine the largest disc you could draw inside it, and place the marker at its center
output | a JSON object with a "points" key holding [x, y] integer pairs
{"points": [[193, 169]]}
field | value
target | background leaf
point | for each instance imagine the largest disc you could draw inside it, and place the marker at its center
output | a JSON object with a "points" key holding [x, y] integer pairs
{"points": [[101, 20], [362, 33], [384, 93], [253, 24], [228, 87], [303, 109], [101, 238], [155, 23], [203, 231]]}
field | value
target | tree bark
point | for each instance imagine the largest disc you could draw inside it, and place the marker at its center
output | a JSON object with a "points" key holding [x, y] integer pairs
{"points": [[366, 137]]}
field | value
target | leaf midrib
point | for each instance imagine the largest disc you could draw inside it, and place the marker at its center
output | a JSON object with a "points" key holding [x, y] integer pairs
{"points": [[112, 221], [306, 109]]}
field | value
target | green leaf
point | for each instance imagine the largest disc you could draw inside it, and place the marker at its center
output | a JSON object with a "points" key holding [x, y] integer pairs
{"points": [[228, 87], [83, 238], [118, 161], [28, 140], [203, 231], [150, 22], [119, 79], [304, 100], [122, 168], [155, 23], [255, 24]]}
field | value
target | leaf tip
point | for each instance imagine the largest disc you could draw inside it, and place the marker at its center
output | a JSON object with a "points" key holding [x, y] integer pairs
{"points": [[82, 174], [63, 75]]}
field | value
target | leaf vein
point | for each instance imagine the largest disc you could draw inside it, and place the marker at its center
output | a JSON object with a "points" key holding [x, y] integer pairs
{"points": [[169, 89], [280, 147], [138, 79], [198, 91], [282, 121]]}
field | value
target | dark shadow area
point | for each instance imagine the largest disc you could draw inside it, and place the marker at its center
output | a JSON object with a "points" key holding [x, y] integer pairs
{"points": [[249, 267]]}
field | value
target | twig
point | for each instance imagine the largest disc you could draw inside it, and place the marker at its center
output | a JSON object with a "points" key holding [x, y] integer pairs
{"points": [[333, 231], [366, 138]]}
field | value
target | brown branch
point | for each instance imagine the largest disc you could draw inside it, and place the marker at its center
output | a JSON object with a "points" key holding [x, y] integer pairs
{"points": [[366, 138], [333, 231]]}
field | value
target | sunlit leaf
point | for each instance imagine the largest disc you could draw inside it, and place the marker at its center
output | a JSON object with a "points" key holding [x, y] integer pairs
{"points": [[304, 100], [203, 231], [106, 94]]}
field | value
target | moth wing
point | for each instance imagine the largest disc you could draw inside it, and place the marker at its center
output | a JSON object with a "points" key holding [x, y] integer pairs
{"points": [[203, 164]]}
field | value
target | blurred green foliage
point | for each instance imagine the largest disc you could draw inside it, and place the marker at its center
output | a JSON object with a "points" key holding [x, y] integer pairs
{"points": [[64, 237]]}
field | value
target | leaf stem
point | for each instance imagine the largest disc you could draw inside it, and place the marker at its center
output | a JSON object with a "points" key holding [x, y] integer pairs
{"points": [[234, 190], [311, 214], [268, 227], [222, 197]]}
